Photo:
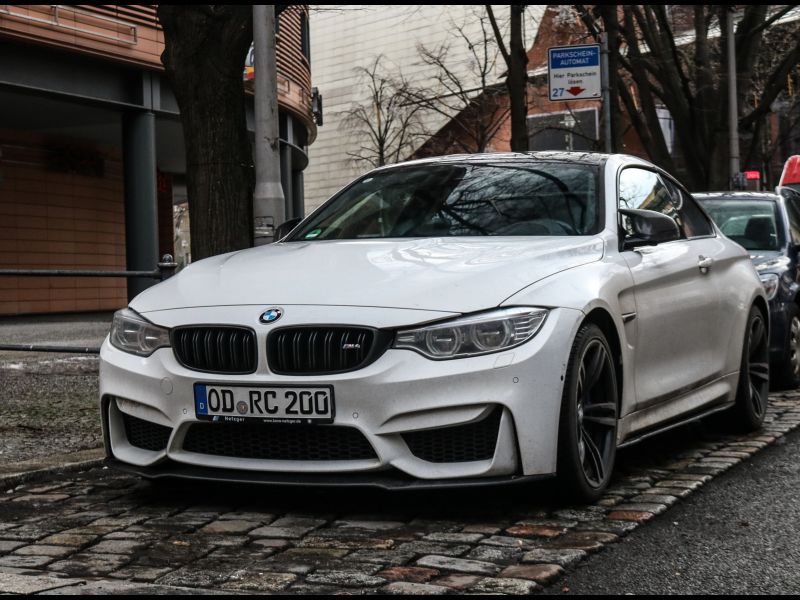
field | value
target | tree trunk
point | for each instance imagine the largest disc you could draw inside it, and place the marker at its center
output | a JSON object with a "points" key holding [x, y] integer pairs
{"points": [[206, 46], [517, 82]]}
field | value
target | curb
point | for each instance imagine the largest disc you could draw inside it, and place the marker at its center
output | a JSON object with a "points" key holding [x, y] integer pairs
{"points": [[11, 480]]}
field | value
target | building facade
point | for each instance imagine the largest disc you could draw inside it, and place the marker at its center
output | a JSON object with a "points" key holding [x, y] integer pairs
{"points": [[91, 147], [349, 37]]}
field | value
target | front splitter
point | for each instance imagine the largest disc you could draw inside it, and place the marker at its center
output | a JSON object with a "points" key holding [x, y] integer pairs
{"points": [[391, 480]]}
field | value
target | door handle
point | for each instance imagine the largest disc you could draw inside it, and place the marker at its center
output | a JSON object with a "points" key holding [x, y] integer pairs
{"points": [[705, 263]]}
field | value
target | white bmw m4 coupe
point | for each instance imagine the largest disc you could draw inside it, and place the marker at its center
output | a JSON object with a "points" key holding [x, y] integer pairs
{"points": [[455, 321]]}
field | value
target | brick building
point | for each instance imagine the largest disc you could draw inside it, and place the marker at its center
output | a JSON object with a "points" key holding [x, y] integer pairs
{"points": [[85, 110]]}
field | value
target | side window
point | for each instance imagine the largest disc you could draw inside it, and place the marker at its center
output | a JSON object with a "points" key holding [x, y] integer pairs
{"points": [[692, 221], [641, 189], [792, 202]]}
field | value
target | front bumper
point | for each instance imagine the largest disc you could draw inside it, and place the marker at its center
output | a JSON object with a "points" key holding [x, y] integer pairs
{"points": [[399, 394]]}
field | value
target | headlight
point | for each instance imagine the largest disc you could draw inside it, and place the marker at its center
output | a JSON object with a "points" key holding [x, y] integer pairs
{"points": [[770, 281], [130, 332], [475, 335]]}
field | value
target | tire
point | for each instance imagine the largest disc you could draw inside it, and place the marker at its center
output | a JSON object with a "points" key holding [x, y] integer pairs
{"points": [[787, 371], [752, 392], [587, 431]]}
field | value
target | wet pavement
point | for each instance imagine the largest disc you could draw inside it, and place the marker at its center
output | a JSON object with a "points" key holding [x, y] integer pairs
{"points": [[104, 532], [48, 401]]}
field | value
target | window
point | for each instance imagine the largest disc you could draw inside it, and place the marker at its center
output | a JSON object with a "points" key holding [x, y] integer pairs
{"points": [[305, 45], [647, 190], [537, 199]]}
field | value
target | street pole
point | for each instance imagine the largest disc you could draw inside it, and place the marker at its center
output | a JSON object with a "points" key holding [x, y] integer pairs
{"points": [[606, 90], [268, 202], [733, 110]]}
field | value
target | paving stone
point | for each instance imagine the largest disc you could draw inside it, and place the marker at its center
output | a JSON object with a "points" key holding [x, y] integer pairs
{"points": [[44, 550], [435, 525], [255, 581], [671, 491], [482, 529], [584, 540], [590, 513], [689, 477], [503, 585], [254, 516], [26, 533], [111, 587], [140, 536], [220, 540], [13, 583], [496, 554], [433, 548], [630, 515], [405, 588], [453, 538], [119, 522], [610, 501], [270, 544], [619, 528], [20, 561], [345, 542], [540, 573], [195, 576], [310, 554], [368, 525], [8, 546], [345, 578], [35, 499], [291, 533], [118, 546], [140, 574], [457, 581], [562, 557], [382, 557], [230, 526], [409, 574], [509, 542], [543, 531], [461, 565], [89, 564], [651, 498]]}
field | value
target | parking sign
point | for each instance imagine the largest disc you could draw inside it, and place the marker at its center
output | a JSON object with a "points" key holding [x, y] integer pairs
{"points": [[573, 72]]}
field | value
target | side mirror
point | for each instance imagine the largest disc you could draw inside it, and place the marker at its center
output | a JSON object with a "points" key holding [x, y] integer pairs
{"points": [[649, 228], [285, 228]]}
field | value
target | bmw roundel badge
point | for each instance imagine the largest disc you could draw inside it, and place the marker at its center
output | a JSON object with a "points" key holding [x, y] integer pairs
{"points": [[271, 315]]}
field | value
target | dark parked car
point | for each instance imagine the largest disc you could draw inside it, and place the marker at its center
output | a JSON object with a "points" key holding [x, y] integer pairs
{"points": [[768, 226]]}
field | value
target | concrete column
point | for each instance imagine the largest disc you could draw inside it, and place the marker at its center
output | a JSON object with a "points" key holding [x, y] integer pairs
{"points": [[141, 198]]}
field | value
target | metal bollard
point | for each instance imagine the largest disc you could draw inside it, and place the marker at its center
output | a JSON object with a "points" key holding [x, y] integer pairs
{"points": [[167, 266]]}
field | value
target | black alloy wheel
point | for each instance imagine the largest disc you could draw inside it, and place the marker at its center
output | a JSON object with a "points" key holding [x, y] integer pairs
{"points": [[588, 427], [752, 392], [787, 372]]}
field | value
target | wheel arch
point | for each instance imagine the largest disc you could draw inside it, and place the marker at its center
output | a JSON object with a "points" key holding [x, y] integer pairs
{"points": [[603, 319]]}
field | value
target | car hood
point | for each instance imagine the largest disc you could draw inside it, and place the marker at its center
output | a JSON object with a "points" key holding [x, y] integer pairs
{"points": [[769, 261], [439, 274]]}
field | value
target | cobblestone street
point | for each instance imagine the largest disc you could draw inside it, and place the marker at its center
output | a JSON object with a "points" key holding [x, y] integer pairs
{"points": [[103, 532]]}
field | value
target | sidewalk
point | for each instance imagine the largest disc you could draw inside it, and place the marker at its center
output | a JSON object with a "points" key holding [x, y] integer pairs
{"points": [[49, 414]]}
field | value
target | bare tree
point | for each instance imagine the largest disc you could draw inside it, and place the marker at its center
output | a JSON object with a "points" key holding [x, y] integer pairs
{"points": [[674, 58], [203, 60], [474, 106], [386, 126], [516, 59]]}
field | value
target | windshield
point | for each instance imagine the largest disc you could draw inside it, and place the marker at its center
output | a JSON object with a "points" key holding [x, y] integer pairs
{"points": [[542, 199], [750, 223]]}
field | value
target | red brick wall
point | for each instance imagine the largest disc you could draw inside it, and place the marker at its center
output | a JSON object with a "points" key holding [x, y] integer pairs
{"points": [[52, 217]]}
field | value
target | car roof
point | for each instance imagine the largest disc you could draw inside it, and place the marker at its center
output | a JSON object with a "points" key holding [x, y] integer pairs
{"points": [[591, 158], [758, 196]]}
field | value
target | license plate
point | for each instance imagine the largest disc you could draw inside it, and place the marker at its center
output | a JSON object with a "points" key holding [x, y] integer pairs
{"points": [[268, 404]]}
